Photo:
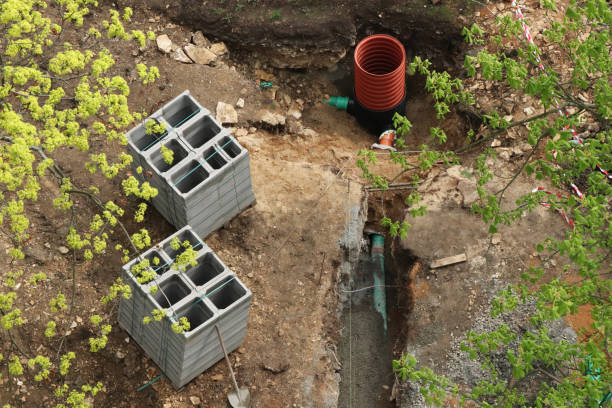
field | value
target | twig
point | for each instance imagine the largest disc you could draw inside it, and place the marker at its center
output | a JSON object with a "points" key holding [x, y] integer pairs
{"points": [[322, 264], [531, 153]]}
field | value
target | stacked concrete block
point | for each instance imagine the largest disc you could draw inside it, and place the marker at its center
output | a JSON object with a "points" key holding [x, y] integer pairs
{"points": [[207, 294], [209, 180]]}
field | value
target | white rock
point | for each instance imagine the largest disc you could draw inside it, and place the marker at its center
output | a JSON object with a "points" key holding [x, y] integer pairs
{"points": [[307, 132], [120, 355], [469, 191], [241, 132], [199, 55], [226, 113], [505, 154], [295, 113], [293, 125], [180, 56], [496, 238], [240, 103], [194, 400], [219, 48], [496, 143], [164, 44], [63, 250], [529, 111], [271, 118]]}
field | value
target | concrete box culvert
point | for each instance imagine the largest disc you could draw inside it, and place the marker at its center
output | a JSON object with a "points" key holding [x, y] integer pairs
{"points": [[201, 131]]}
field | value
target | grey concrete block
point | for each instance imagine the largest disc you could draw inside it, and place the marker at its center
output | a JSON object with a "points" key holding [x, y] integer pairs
{"points": [[201, 131], [180, 110]]}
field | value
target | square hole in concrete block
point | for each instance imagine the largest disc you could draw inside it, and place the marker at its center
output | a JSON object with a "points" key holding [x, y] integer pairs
{"points": [[197, 315], [189, 177], [230, 147], [226, 292], [157, 158], [144, 141], [200, 132], [207, 269], [214, 158], [156, 263], [182, 237], [180, 111], [170, 292]]}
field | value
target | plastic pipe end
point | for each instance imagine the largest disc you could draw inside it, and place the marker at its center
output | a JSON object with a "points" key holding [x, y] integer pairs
{"points": [[340, 102]]}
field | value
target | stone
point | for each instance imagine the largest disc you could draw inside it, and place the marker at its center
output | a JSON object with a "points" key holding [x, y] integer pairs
{"points": [[294, 113], [496, 143], [307, 132], [199, 55], [120, 355], [240, 103], [226, 113], [460, 173], [496, 238], [194, 400], [505, 154], [37, 253], [164, 44], [180, 56], [469, 191], [294, 126], [270, 92], [217, 377], [529, 111], [241, 132], [270, 118], [219, 48], [199, 40], [63, 250]]}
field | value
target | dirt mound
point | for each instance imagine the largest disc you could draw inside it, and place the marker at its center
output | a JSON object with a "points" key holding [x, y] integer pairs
{"points": [[305, 34]]}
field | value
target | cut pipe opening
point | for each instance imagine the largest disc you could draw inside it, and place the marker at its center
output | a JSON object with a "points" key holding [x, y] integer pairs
{"points": [[380, 72]]}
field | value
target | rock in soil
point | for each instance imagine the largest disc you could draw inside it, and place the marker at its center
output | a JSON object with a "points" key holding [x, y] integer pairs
{"points": [[270, 118], [226, 113], [199, 40], [164, 44], [200, 55], [180, 56], [219, 48]]}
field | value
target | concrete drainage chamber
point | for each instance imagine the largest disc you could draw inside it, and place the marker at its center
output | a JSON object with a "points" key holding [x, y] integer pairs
{"points": [[367, 345]]}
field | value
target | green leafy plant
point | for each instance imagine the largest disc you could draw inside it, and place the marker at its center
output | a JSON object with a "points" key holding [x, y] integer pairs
{"points": [[276, 15], [56, 95], [576, 374]]}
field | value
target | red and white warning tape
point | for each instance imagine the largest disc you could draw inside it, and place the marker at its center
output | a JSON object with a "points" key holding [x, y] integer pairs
{"points": [[529, 37], [575, 139], [548, 205]]}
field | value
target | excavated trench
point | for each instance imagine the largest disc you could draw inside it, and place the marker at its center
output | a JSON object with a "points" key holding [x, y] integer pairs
{"points": [[366, 350]]}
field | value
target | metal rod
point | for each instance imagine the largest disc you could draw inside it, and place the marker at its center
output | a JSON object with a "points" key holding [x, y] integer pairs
{"points": [[229, 365]]}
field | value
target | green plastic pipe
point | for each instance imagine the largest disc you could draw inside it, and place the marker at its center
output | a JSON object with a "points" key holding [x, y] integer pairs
{"points": [[340, 102], [377, 255]]}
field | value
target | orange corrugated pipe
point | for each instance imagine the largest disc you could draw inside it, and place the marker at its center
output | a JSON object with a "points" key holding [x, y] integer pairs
{"points": [[380, 72]]}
